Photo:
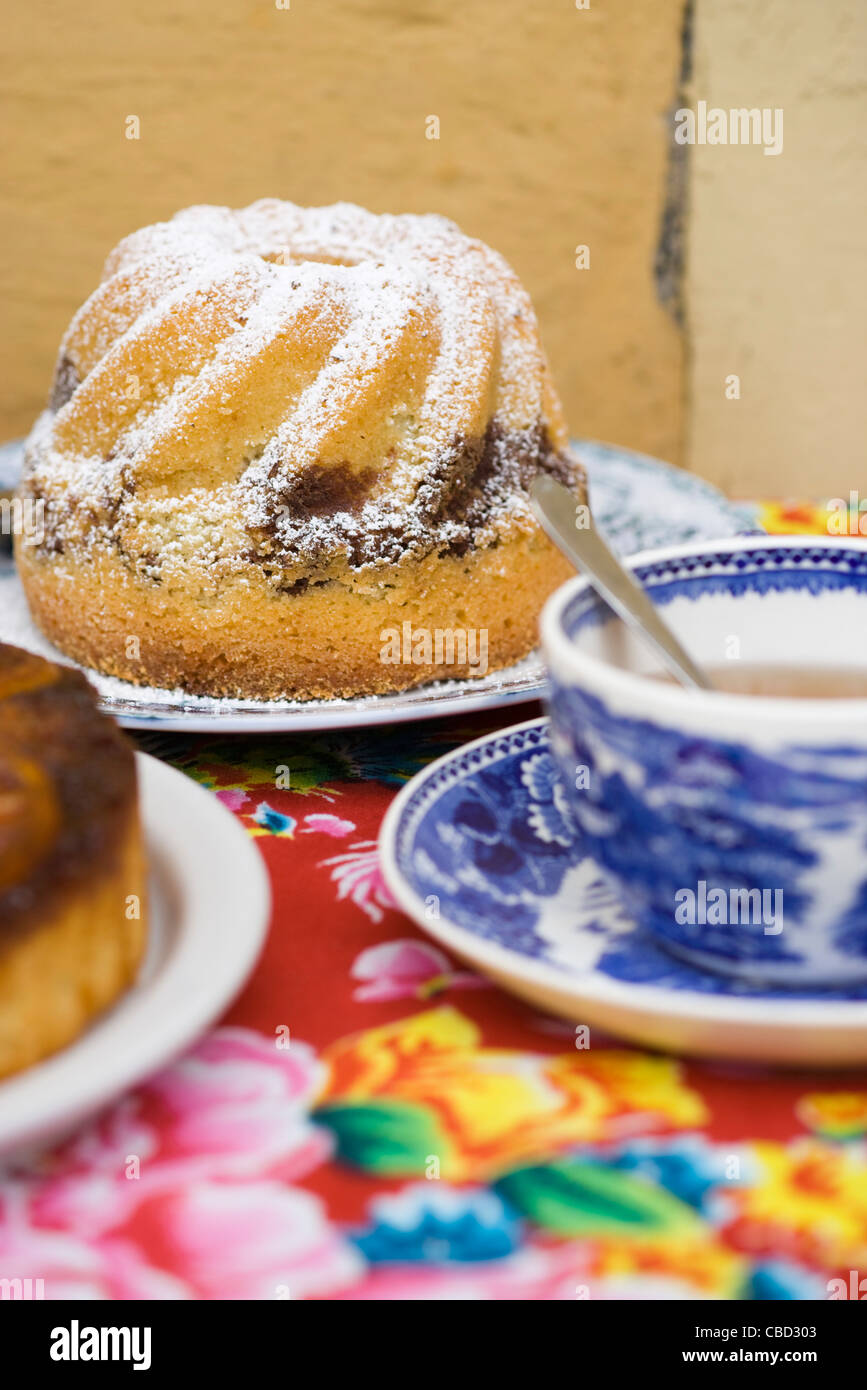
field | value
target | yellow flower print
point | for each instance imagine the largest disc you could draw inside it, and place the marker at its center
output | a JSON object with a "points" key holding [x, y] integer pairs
{"points": [[835, 1114], [492, 1108], [698, 1260], [816, 1192]]}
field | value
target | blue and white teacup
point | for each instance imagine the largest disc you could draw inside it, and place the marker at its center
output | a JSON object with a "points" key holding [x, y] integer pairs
{"points": [[734, 825]]}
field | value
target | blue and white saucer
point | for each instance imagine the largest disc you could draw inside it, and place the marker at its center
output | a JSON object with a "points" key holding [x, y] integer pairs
{"points": [[480, 851]]}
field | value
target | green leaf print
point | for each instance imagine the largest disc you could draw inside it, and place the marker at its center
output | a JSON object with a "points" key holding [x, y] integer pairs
{"points": [[578, 1198], [388, 1136]]}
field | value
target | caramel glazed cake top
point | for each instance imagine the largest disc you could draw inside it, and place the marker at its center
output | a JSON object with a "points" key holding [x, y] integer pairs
{"points": [[322, 392], [67, 781]]}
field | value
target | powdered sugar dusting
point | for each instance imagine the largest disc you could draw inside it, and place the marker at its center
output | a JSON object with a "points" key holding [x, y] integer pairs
{"points": [[269, 343]]}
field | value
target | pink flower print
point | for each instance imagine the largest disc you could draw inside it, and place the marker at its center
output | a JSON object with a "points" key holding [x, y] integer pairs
{"points": [[216, 1136], [359, 877], [533, 1273], [253, 1241], [119, 1130], [232, 798], [85, 1185], [237, 1106], [256, 1240], [407, 970], [61, 1265], [328, 825], [241, 1103]]}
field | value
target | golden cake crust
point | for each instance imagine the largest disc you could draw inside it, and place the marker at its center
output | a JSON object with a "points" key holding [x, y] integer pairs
{"points": [[327, 641], [72, 870], [296, 426]]}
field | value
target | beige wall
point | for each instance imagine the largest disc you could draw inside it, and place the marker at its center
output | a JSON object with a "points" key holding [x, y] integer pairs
{"points": [[777, 281], [552, 134]]}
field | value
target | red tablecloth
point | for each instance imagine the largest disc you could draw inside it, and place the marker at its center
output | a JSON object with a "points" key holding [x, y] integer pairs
{"points": [[372, 1121]]}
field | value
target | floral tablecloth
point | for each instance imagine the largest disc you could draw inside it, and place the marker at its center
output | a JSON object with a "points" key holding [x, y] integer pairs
{"points": [[372, 1121]]}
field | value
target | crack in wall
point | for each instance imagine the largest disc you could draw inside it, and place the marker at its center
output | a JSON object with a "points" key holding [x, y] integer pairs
{"points": [[669, 261]]}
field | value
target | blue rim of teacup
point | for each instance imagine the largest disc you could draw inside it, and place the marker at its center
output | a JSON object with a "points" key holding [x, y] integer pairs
{"points": [[603, 675]]}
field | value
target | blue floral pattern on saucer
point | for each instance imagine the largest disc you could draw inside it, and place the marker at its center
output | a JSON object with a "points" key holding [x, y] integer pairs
{"points": [[486, 837]]}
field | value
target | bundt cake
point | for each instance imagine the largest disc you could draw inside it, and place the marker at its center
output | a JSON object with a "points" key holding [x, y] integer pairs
{"points": [[72, 871], [287, 454]]}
